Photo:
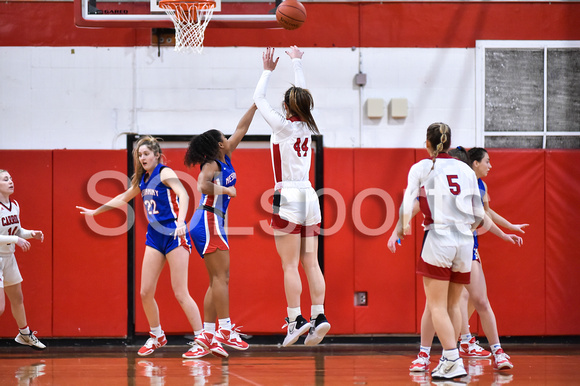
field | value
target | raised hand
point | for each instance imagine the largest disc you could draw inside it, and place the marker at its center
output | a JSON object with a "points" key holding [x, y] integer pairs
{"points": [[295, 52], [268, 59]]}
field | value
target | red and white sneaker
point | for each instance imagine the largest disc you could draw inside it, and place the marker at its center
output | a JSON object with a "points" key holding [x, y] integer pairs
{"points": [[421, 364], [152, 344], [207, 340], [501, 361], [196, 351], [231, 338], [473, 350]]}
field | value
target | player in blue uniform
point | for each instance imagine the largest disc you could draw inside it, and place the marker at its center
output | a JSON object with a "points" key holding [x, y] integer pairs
{"points": [[166, 202], [216, 180]]}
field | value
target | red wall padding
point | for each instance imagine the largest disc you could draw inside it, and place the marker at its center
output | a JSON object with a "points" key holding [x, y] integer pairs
{"points": [[80, 276], [343, 24], [561, 247], [31, 172], [339, 252], [516, 277], [89, 268], [380, 176]]}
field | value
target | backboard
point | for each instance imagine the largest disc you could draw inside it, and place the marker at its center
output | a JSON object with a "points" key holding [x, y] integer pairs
{"points": [[147, 14]]}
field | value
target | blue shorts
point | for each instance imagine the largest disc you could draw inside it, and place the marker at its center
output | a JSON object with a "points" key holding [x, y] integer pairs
{"points": [[208, 233], [161, 237], [475, 248]]}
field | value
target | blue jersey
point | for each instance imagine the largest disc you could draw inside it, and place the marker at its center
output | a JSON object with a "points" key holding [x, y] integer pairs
{"points": [[482, 193], [207, 225], [226, 177], [161, 203]]}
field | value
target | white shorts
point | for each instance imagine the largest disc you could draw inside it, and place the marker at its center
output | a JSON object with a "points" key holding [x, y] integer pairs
{"points": [[446, 255], [296, 205], [9, 272]]}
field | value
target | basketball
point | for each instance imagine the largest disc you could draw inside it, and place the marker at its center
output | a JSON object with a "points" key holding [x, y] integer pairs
{"points": [[291, 14]]}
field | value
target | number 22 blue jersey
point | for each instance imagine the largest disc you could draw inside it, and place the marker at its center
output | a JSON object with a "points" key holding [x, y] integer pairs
{"points": [[161, 203]]}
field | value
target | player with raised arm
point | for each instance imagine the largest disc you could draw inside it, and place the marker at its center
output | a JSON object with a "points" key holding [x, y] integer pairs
{"points": [[296, 211]]}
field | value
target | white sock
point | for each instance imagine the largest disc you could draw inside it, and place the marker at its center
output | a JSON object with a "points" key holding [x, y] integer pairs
{"points": [[451, 354], [465, 338], [293, 313], [426, 350], [316, 310], [25, 330], [209, 327], [225, 323], [157, 331], [196, 333], [495, 347]]}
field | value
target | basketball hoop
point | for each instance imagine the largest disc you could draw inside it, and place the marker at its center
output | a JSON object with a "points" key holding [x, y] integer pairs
{"points": [[190, 19]]}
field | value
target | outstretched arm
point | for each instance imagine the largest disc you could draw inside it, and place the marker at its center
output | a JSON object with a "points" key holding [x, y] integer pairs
{"points": [[116, 202], [499, 220], [242, 128], [295, 53], [489, 225]]}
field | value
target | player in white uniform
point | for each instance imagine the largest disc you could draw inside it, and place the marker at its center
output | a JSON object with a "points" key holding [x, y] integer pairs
{"points": [[450, 201], [11, 235], [296, 217]]}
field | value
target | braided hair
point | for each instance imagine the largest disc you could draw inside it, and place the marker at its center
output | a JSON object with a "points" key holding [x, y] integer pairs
{"points": [[203, 148], [439, 135], [299, 102]]}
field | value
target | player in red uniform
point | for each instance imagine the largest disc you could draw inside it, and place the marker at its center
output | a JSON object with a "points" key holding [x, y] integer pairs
{"points": [[450, 201], [11, 235], [296, 218]]}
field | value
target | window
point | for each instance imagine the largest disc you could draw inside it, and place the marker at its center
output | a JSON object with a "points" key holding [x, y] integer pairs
{"points": [[528, 94]]}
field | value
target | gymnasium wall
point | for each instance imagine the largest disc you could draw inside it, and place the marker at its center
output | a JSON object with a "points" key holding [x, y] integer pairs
{"points": [[75, 283], [82, 88]]}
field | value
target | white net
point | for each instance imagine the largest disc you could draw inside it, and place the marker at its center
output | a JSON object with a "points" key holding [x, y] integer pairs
{"points": [[190, 21]]}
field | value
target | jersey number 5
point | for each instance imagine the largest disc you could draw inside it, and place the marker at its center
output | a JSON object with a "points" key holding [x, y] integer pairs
{"points": [[454, 187], [303, 147]]}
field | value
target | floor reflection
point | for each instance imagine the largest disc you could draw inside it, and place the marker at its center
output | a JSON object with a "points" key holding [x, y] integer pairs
{"points": [[333, 365]]}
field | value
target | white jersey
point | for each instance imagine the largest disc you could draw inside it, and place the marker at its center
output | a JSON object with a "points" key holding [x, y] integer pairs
{"points": [[448, 195], [291, 141], [10, 228]]}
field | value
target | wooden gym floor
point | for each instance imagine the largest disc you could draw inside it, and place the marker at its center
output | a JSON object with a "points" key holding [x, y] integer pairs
{"points": [[539, 363]]}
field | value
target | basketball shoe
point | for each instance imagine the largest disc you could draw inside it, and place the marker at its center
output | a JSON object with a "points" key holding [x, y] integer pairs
{"points": [[448, 369], [420, 364], [196, 351], [231, 338], [30, 340], [473, 350], [207, 340], [318, 329], [295, 329], [501, 361], [152, 344]]}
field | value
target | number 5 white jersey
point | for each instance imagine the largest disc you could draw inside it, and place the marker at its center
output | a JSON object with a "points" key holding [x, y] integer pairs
{"points": [[291, 142], [448, 194]]}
